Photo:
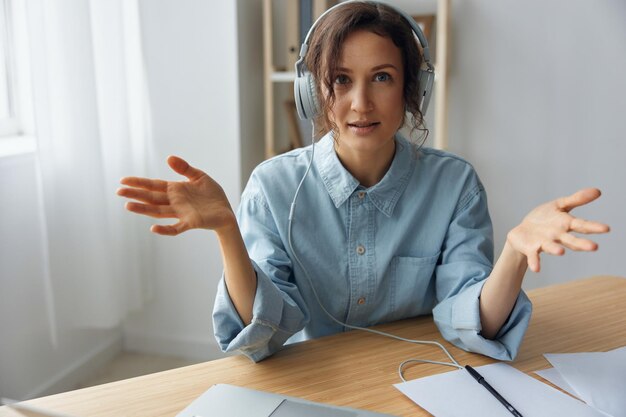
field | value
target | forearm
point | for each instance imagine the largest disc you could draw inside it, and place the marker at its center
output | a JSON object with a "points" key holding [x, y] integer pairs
{"points": [[239, 274], [501, 290]]}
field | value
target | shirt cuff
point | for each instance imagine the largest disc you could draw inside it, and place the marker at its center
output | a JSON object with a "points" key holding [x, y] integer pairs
{"points": [[265, 334], [466, 325]]}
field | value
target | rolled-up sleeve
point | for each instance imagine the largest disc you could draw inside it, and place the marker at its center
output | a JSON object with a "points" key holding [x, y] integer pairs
{"points": [[278, 311], [467, 261]]}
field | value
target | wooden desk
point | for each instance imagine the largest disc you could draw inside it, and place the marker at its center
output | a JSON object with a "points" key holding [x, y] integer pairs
{"points": [[357, 369]]}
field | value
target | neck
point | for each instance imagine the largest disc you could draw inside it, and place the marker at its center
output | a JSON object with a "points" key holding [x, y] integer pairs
{"points": [[367, 167]]}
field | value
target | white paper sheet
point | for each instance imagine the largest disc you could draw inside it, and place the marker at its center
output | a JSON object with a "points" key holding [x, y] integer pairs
{"points": [[554, 376], [457, 394], [599, 378]]}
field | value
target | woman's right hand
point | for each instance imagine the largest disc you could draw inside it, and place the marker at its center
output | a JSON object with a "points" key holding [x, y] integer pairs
{"points": [[199, 203]]}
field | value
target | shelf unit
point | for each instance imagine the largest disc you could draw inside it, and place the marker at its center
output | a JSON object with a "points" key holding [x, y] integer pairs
{"points": [[275, 75]]}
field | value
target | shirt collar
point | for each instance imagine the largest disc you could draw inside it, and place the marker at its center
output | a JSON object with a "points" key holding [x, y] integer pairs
{"points": [[340, 184]]}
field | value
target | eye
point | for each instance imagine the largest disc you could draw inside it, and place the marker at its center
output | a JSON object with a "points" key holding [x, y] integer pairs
{"points": [[342, 79], [382, 77]]}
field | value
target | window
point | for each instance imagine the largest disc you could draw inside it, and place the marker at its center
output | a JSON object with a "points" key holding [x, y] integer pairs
{"points": [[16, 117], [8, 116]]}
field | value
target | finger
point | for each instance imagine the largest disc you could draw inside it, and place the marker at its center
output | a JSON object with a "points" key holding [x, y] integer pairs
{"points": [[183, 168], [145, 183], [168, 230], [579, 198], [533, 262], [578, 244], [159, 212], [553, 248], [586, 226], [149, 197]]}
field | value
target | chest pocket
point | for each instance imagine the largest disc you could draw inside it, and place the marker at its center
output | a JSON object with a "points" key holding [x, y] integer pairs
{"points": [[412, 289]]}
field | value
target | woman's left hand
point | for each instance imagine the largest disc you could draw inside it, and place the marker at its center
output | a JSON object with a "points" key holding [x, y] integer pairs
{"points": [[548, 228]]}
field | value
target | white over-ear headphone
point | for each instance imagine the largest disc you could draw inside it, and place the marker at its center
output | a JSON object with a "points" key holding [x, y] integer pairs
{"points": [[304, 84]]}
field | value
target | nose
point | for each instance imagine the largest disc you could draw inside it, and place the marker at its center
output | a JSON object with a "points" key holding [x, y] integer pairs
{"points": [[361, 98]]}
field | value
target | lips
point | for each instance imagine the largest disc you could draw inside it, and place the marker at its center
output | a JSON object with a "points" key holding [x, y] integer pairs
{"points": [[362, 127], [363, 124]]}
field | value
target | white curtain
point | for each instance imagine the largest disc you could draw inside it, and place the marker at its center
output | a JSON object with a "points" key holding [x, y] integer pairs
{"points": [[92, 127]]}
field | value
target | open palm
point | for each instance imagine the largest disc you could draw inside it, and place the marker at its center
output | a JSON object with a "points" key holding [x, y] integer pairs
{"points": [[550, 228], [198, 203]]}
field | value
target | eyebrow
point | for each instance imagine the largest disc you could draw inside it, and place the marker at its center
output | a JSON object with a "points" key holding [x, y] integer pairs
{"points": [[376, 68]]}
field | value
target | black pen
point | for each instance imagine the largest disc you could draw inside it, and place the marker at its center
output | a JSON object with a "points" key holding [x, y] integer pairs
{"points": [[478, 377]]}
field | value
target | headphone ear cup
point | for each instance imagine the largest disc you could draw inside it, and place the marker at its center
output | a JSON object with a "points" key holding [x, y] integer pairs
{"points": [[426, 81], [306, 96]]}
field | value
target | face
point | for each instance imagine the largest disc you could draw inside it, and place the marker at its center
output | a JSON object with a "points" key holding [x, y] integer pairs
{"points": [[369, 102]]}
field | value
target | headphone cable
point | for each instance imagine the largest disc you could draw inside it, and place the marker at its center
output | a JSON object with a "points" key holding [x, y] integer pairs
{"points": [[292, 210]]}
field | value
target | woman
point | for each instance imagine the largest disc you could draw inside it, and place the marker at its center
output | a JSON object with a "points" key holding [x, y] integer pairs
{"points": [[383, 229]]}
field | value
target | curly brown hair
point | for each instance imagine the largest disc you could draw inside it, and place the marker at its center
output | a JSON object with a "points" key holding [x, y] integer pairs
{"points": [[325, 47]]}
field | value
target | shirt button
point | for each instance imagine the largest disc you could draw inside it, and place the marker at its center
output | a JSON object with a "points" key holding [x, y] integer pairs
{"points": [[361, 301], [361, 194], [360, 249]]}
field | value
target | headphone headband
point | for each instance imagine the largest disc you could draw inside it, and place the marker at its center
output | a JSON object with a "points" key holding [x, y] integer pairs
{"points": [[416, 29], [304, 85]]}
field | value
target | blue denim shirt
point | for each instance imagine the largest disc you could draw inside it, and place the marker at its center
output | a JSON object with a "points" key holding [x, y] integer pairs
{"points": [[418, 242]]}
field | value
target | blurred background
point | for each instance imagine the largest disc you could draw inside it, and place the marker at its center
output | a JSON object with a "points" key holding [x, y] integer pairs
{"points": [[93, 90]]}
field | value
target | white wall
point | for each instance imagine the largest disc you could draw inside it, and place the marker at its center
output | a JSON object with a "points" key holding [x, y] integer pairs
{"points": [[536, 102], [192, 57], [537, 96]]}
